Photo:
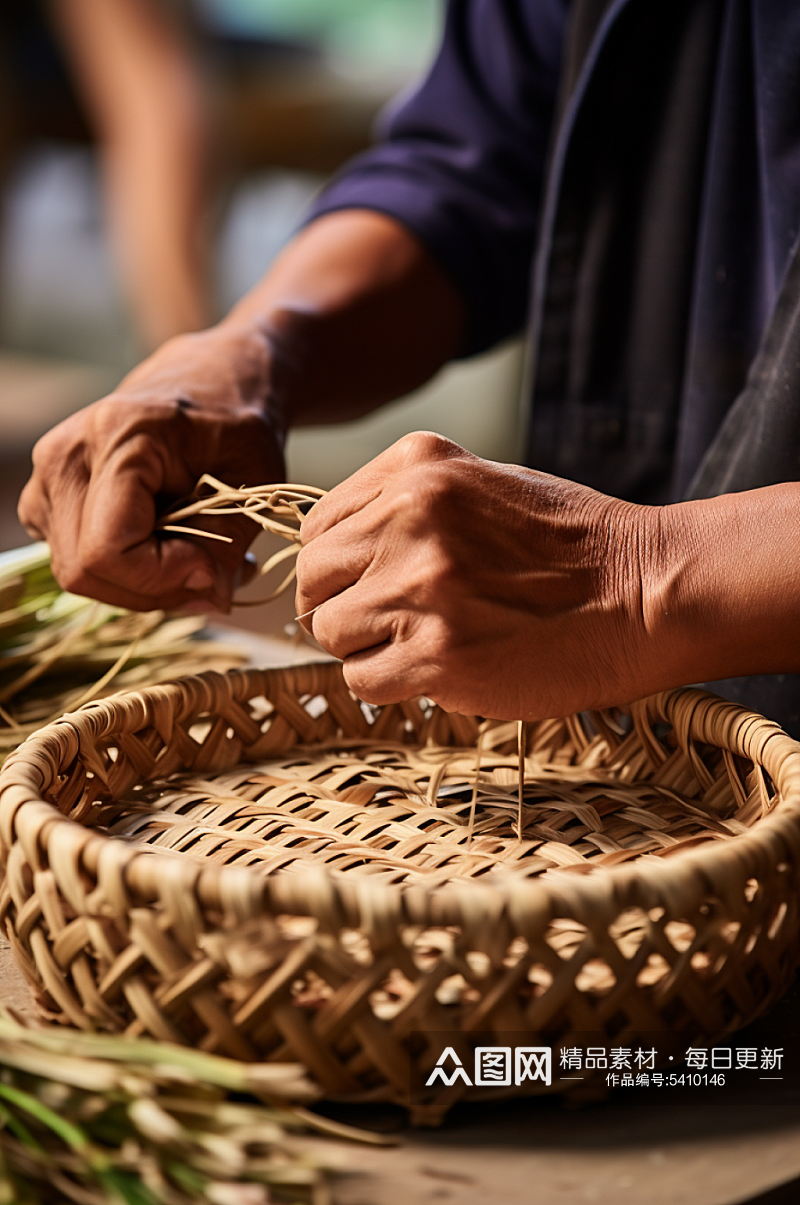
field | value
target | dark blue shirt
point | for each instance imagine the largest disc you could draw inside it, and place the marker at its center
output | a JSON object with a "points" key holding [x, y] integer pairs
{"points": [[622, 175]]}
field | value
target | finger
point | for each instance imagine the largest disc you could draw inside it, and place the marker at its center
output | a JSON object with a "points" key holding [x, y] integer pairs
{"points": [[102, 542], [114, 517], [160, 571], [387, 673], [342, 502], [224, 540], [352, 495], [333, 562], [352, 622], [200, 602], [33, 507], [367, 483], [205, 581]]}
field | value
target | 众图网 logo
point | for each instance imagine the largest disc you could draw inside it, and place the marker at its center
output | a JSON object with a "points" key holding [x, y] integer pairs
{"points": [[495, 1067]]}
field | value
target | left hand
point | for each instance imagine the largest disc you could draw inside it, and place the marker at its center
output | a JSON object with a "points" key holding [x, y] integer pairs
{"points": [[489, 588], [203, 402]]}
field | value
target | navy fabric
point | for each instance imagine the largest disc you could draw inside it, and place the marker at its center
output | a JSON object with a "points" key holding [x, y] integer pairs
{"points": [[751, 214], [615, 270], [462, 159], [632, 408]]}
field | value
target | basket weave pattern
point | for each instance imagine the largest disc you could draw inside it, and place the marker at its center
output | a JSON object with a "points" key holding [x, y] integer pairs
{"points": [[307, 886]]}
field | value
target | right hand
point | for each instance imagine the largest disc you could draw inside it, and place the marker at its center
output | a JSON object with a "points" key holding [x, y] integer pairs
{"points": [[202, 403]]}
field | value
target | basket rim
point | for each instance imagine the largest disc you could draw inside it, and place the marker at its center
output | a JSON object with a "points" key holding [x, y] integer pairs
{"points": [[680, 882]]}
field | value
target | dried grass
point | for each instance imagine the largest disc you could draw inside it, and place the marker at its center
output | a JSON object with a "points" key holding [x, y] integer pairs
{"points": [[58, 651], [89, 1119], [278, 509]]}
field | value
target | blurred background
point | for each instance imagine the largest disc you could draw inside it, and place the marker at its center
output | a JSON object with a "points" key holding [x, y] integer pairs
{"points": [[154, 157]]}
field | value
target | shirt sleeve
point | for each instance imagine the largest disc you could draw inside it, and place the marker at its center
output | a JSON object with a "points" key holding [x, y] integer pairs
{"points": [[461, 161]]}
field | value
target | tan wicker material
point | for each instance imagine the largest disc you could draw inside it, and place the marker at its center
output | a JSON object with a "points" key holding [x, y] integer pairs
{"points": [[277, 509], [307, 886]]}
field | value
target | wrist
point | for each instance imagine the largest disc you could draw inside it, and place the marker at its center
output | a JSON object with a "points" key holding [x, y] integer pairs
{"points": [[724, 595], [246, 367], [356, 313], [272, 353], [675, 602]]}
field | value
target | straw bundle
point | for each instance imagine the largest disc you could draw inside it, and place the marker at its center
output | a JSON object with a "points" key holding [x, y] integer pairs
{"points": [[91, 1119], [278, 509], [58, 650]]}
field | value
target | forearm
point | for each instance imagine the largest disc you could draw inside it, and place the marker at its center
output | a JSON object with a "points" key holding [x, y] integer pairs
{"points": [[727, 596], [356, 312]]}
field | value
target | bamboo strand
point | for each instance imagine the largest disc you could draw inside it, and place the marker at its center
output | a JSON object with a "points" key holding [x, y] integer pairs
{"points": [[475, 782], [278, 508], [58, 651], [47, 662], [99, 686], [522, 739]]}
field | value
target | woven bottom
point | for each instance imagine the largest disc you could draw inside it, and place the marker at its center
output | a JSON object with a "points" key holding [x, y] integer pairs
{"points": [[429, 814]]}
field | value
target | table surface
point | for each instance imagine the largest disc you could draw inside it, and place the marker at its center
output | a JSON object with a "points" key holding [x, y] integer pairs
{"points": [[651, 1149]]}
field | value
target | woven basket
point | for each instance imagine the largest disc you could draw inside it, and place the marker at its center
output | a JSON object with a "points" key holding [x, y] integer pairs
{"points": [[307, 885]]}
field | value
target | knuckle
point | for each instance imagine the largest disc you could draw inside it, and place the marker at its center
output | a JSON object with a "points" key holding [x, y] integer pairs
{"points": [[434, 488], [112, 420], [93, 556], [438, 644], [60, 454], [307, 532], [442, 581], [38, 453], [43, 449], [69, 574], [304, 576], [431, 582], [304, 567], [107, 416], [315, 523], [427, 445], [424, 499]]}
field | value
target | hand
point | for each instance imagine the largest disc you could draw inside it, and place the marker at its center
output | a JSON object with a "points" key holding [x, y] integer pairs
{"points": [[316, 340], [100, 479], [491, 589]]}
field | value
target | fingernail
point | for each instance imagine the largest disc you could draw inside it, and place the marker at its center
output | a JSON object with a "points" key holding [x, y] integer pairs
{"points": [[199, 579]]}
